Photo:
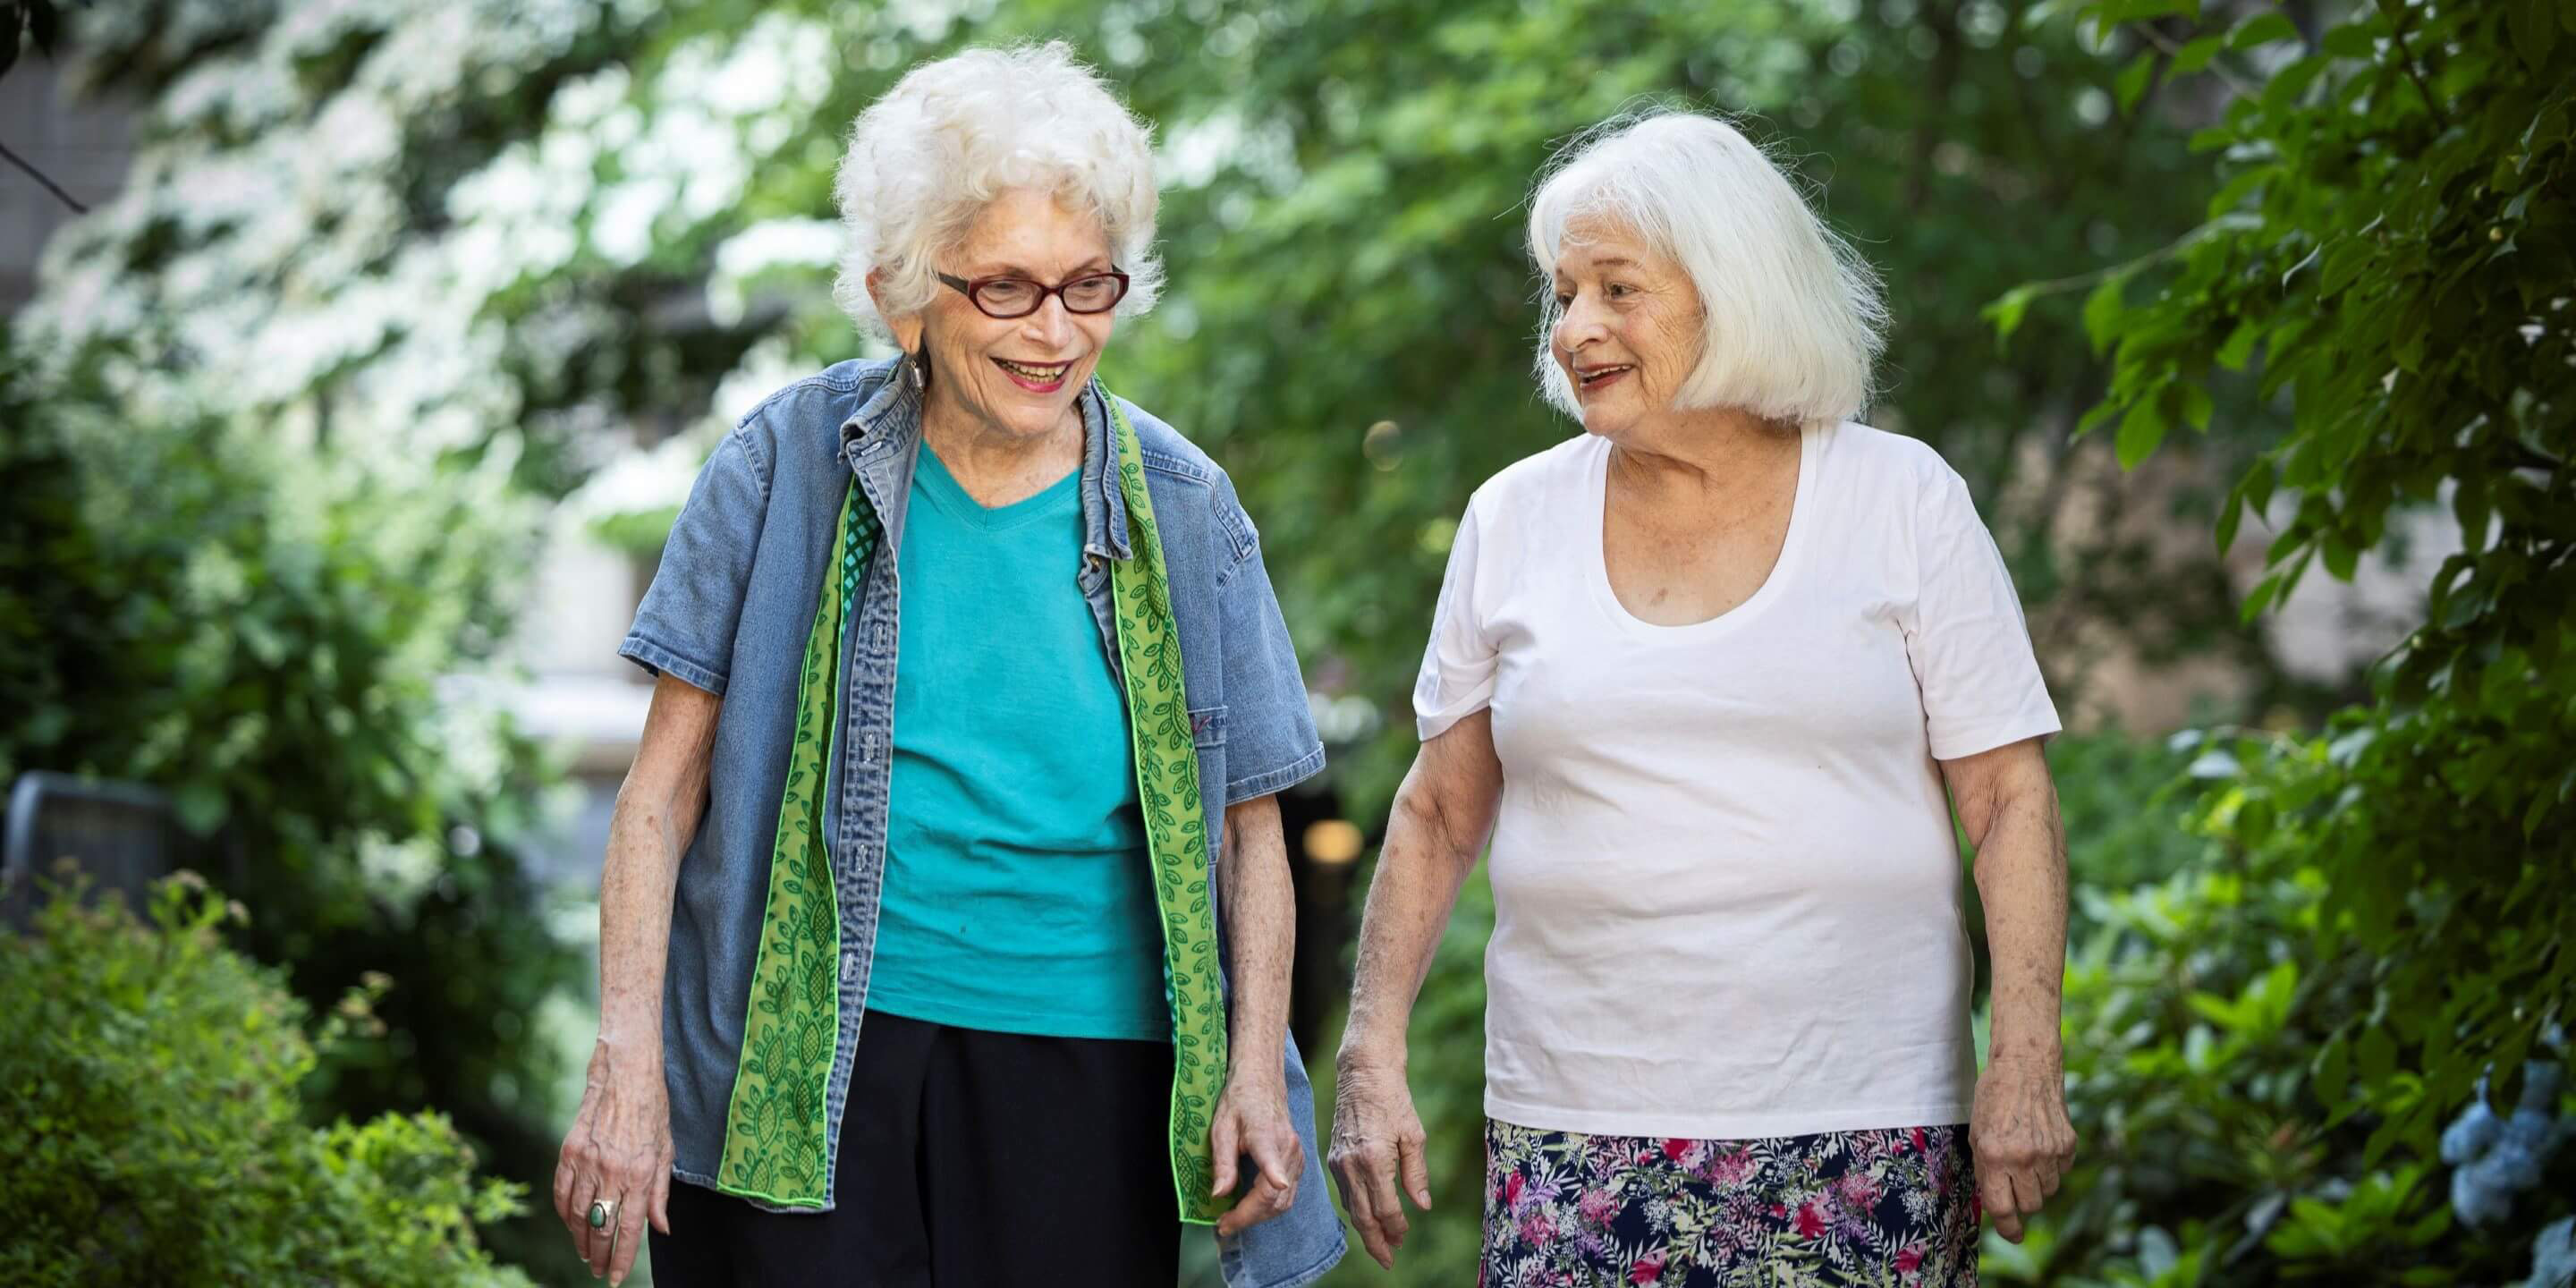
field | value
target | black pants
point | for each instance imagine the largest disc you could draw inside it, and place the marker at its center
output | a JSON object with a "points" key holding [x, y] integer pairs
{"points": [[967, 1157]]}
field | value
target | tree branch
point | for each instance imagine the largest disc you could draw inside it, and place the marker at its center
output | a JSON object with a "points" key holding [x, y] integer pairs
{"points": [[2406, 59], [39, 176], [2060, 285], [2171, 50], [2526, 457]]}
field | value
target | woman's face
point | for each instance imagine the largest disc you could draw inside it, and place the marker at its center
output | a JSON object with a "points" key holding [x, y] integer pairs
{"points": [[1019, 376], [1628, 331]]}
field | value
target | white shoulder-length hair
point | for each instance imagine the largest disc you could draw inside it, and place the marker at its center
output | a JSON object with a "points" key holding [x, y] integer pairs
{"points": [[950, 136], [1794, 320]]}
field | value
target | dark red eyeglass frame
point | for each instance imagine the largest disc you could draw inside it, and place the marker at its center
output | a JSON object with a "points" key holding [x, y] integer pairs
{"points": [[972, 289]]}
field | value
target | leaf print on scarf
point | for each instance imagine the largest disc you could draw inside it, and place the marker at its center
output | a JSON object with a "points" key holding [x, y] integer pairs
{"points": [[1167, 783], [777, 1148]]}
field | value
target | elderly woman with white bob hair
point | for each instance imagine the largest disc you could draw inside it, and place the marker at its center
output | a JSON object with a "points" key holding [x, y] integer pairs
{"points": [[1701, 674], [945, 925]]}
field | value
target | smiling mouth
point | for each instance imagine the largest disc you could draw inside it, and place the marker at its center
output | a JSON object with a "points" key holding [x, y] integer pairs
{"points": [[1595, 377], [1032, 376]]}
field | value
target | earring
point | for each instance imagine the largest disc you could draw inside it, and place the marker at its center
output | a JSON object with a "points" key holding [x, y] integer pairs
{"points": [[916, 369]]}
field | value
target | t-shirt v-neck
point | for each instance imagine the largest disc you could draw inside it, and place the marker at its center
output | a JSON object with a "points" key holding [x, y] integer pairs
{"points": [[933, 481]]}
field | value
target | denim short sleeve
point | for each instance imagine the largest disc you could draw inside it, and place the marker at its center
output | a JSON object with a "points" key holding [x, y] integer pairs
{"points": [[685, 626], [1270, 738]]}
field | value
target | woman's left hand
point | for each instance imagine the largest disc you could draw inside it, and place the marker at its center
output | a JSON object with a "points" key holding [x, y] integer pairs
{"points": [[2022, 1139], [1252, 1118]]}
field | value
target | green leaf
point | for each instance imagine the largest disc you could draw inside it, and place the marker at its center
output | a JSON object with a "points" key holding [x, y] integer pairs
{"points": [[2344, 262], [2289, 83], [2239, 348], [2534, 35], [2244, 185], [2358, 39], [2006, 312], [2262, 29], [2118, 11], [2133, 80], [2100, 415], [2230, 516], [2140, 433], [2195, 406], [2261, 597], [2195, 55], [2103, 310], [2334, 1071], [2376, 1056]]}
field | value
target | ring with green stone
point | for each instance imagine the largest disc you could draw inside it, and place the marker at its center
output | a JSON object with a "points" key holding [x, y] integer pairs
{"points": [[602, 1212]]}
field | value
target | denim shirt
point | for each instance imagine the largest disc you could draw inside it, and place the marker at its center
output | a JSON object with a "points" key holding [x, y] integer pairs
{"points": [[729, 611]]}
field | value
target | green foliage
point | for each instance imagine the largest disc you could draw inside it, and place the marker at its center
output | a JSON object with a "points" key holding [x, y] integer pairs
{"points": [[149, 1110], [260, 634], [2389, 260]]}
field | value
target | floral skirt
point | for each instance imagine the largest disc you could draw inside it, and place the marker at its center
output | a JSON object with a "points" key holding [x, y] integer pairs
{"points": [[1894, 1207]]}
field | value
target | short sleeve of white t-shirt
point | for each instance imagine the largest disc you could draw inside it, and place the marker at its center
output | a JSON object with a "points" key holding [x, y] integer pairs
{"points": [[1457, 678], [1727, 893]]}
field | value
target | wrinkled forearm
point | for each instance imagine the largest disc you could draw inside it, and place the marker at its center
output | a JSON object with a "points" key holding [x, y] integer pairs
{"points": [[657, 813], [2021, 878], [1431, 845], [635, 892], [1261, 935]]}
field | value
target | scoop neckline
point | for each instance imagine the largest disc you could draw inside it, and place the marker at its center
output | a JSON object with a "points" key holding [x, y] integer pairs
{"points": [[1783, 569]]}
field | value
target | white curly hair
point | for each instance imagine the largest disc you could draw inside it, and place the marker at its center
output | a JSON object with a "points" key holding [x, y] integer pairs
{"points": [[950, 136]]}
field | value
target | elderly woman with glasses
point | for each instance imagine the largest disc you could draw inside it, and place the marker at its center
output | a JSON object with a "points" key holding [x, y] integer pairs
{"points": [[1702, 674], [945, 927]]}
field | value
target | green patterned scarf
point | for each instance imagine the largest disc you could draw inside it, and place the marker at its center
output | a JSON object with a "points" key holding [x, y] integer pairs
{"points": [[777, 1146]]}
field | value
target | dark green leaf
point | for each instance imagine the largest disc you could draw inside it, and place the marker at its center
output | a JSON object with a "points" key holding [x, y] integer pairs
{"points": [[2535, 36], [2195, 406], [2133, 80], [2195, 55], [2103, 310], [2140, 433], [2288, 84], [2262, 28], [2239, 348], [2357, 39]]}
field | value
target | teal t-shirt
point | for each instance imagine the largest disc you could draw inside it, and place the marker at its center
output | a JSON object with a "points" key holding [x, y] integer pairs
{"points": [[1018, 897]]}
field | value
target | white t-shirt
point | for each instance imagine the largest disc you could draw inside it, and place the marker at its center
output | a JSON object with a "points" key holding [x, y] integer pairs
{"points": [[1726, 889]]}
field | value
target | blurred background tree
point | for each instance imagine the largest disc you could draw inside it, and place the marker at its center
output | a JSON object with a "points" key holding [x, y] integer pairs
{"points": [[391, 292]]}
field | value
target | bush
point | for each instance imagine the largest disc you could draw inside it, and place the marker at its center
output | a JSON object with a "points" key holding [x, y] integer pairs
{"points": [[2377, 938], [151, 1116], [260, 631], [2199, 1009]]}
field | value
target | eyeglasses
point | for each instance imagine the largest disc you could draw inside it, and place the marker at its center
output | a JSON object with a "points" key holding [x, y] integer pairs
{"points": [[1018, 297]]}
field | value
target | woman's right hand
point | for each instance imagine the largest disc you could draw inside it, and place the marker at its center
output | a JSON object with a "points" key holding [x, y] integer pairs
{"points": [[620, 1150], [1378, 1144]]}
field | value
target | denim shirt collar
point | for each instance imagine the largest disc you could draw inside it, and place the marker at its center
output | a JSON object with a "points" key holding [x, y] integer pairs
{"points": [[887, 425]]}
